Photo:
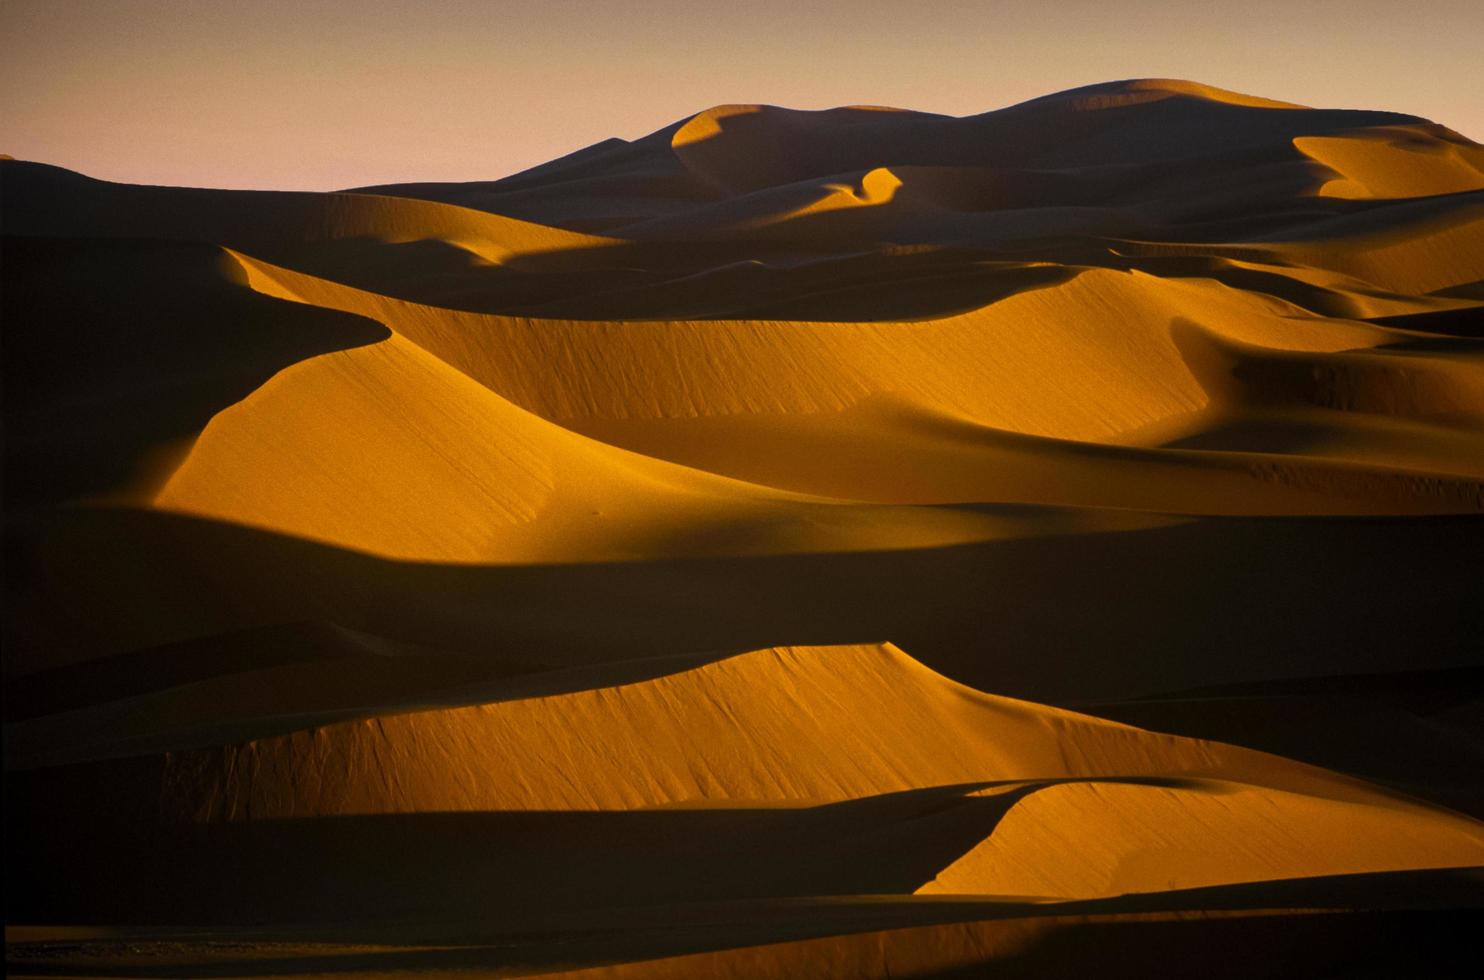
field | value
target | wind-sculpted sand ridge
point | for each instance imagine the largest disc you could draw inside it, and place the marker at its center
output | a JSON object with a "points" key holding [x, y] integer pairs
{"points": [[497, 577], [873, 392], [886, 777]]}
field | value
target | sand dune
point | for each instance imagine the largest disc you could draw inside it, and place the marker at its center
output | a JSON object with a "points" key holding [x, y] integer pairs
{"points": [[845, 542], [656, 387], [895, 778], [744, 728], [1396, 162]]}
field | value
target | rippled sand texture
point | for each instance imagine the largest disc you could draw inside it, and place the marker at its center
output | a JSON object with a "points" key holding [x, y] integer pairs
{"points": [[859, 543]]}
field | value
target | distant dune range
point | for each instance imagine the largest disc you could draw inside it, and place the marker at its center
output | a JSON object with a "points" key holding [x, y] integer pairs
{"points": [[599, 569]]}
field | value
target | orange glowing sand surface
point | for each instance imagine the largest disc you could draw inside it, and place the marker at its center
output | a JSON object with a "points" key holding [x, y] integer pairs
{"points": [[845, 543]]}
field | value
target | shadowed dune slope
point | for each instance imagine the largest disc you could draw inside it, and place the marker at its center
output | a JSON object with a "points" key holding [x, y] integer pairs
{"points": [[1407, 730], [1155, 153], [1013, 615], [1292, 923], [1131, 945], [118, 353], [1148, 160]]}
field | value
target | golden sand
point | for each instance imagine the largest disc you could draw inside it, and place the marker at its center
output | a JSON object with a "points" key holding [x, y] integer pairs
{"points": [[749, 551]]}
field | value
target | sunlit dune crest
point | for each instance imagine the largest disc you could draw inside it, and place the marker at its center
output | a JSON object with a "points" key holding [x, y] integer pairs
{"points": [[1397, 162], [852, 541]]}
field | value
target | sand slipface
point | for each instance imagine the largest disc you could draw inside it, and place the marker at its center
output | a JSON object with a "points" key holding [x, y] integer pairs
{"points": [[856, 542]]}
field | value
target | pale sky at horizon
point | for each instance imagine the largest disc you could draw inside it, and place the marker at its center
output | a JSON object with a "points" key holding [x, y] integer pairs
{"points": [[308, 94]]}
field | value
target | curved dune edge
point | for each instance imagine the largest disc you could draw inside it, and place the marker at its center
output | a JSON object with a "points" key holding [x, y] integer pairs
{"points": [[1395, 162], [449, 471], [1133, 838]]}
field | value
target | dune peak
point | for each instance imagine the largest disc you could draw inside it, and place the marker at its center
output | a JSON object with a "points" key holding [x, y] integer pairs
{"points": [[1132, 91]]}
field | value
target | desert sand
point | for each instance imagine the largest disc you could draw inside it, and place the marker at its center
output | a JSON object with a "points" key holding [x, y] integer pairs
{"points": [[794, 543]]}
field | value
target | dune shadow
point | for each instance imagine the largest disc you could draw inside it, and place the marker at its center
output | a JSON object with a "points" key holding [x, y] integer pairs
{"points": [[68, 862], [971, 937], [471, 890], [761, 280], [1463, 326], [118, 351], [1088, 616]]}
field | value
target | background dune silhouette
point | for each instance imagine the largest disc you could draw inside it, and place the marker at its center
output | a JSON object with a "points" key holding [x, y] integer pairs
{"points": [[858, 541]]}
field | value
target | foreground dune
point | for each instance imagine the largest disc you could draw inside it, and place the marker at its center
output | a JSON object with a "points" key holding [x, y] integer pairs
{"points": [[495, 577], [830, 770]]}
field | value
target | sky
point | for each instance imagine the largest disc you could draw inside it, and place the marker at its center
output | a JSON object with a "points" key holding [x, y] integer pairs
{"points": [[315, 95]]}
